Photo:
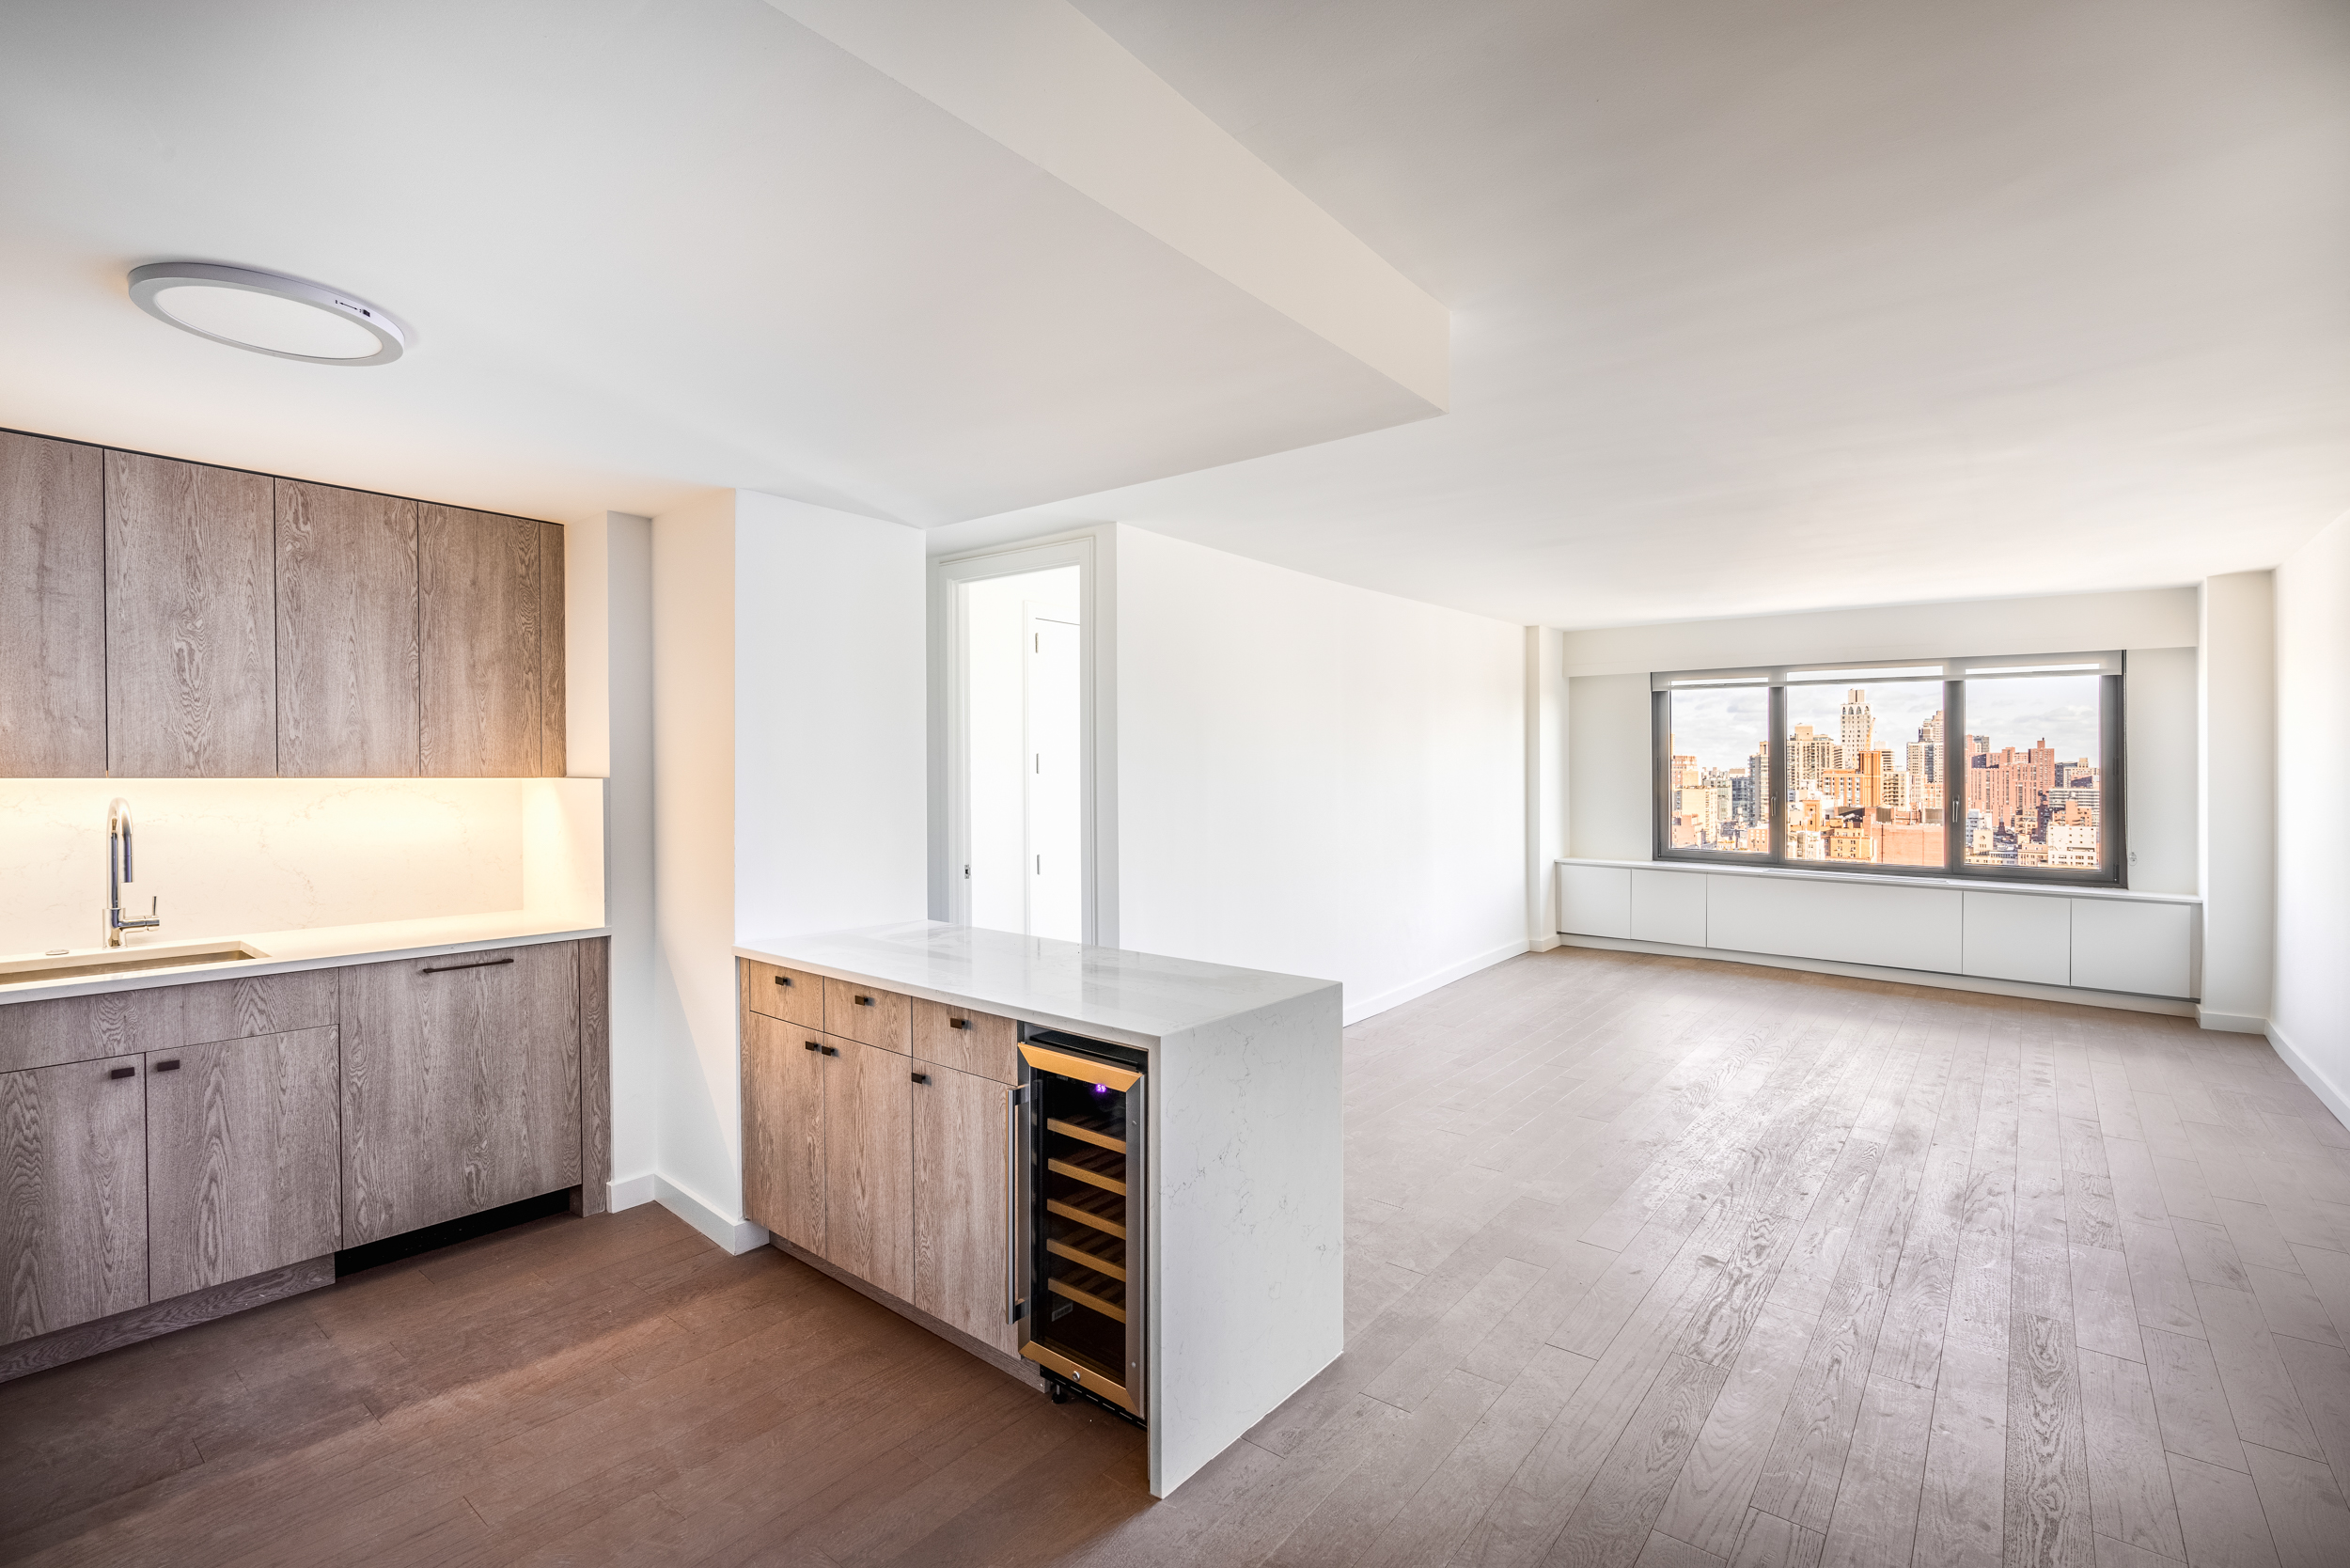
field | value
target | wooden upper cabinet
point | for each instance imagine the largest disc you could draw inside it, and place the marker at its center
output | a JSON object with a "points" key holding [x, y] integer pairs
{"points": [[191, 628], [479, 613], [346, 633], [73, 1191], [53, 609], [552, 694], [243, 1167]]}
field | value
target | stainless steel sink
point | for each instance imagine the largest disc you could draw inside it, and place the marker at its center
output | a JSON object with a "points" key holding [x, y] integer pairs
{"points": [[122, 960]]}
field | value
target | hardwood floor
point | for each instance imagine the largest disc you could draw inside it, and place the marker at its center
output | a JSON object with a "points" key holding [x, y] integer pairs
{"points": [[1652, 1262]]}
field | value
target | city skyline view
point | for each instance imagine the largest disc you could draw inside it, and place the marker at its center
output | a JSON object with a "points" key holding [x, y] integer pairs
{"points": [[1873, 778]]}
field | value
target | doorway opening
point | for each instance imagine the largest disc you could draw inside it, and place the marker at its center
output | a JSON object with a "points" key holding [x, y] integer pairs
{"points": [[1023, 760]]}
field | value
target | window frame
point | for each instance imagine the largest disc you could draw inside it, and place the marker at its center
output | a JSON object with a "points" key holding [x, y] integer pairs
{"points": [[2112, 869]]}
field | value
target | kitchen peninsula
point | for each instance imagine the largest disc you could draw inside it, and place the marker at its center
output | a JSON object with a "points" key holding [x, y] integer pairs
{"points": [[884, 1076]]}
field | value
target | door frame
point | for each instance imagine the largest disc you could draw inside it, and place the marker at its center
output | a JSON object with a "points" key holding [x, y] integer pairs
{"points": [[1093, 551]]}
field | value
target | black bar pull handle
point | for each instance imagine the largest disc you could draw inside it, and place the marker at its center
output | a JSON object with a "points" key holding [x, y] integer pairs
{"points": [[921, 1077], [958, 1022], [832, 1050], [783, 979], [810, 1044], [446, 968], [171, 1066], [124, 1072], [865, 1001]]}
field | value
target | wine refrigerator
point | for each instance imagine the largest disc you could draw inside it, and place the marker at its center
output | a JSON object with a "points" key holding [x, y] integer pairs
{"points": [[1080, 1244]]}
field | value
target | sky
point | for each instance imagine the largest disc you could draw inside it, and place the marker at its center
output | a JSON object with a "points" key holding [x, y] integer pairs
{"points": [[1722, 726]]}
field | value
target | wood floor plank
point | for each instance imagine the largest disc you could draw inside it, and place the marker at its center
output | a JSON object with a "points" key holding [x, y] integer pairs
{"points": [[1875, 1517], [1708, 1504], [2188, 1399], [2220, 1515], [1881, 1258], [2260, 1393], [2047, 1491], [1611, 1526], [2302, 1503], [1961, 1501], [2129, 1487]]}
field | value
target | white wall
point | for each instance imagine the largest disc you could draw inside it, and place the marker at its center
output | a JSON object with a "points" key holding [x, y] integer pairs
{"points": [[829, 719], [787, 786], [2158, 732], [2057, 623], [1545, 781], [607, 588], [2311, 1006], [697, 1146], [2238, 713], [1314, 779], [1611, 793]]}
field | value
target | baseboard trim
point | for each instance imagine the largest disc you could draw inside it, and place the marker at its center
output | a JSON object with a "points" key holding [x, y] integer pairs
{"points": [[2309, 1073], [630, 1191], [2233, 1023], [1356, 1012], [1015, 1367], [737, 1236], [57, 1347], [2121, 1000]]}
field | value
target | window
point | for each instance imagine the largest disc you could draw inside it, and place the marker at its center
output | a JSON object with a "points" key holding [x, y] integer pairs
{"points": [[2002, 768]]}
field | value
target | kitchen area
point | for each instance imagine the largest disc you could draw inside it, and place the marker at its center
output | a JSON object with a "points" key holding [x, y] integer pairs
{"points": [[307, 968]]}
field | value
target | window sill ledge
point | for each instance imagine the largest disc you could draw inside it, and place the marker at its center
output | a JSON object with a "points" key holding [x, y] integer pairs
{"points": [[1968, 885]]}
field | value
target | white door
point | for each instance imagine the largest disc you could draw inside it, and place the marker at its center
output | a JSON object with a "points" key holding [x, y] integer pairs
{"points": [[1056, 803]]}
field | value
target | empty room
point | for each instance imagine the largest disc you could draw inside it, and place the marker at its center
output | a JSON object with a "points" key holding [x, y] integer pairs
{"points": [[1114, 783]]}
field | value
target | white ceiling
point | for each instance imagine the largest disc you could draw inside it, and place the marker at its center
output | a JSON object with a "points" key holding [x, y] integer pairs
{"points": [[1754, 306], [1766, 306], [649, 249]]}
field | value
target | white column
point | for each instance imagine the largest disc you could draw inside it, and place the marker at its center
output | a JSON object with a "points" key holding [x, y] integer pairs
{"points": [[2236, 705], [1545, 781]]}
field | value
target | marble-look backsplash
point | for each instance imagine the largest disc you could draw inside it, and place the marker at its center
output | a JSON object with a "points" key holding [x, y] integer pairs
{"points": [[232, 855]]}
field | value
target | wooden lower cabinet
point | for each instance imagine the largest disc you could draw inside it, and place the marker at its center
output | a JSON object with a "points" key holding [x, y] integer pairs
{"points": [[243, 1167], [869, 1164], [459, 1085], [783, 1129], [960, 1205], [73, 1195]]}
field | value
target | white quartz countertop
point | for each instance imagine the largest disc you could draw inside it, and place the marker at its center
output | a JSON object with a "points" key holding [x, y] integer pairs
{"points": [[319, 947], [1107, 992]]}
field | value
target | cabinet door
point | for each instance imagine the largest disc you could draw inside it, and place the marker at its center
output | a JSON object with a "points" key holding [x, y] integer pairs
{"points": [[244, 1159], [869, 1164], [53, 609], [346, 633], [73, 1195], [461, 1086], [191, 621], [478, 616], [961, 1153], [783, 1129]]}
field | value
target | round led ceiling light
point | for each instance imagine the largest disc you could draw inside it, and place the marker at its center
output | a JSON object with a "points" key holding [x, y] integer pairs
{"points": [[269, 313]]}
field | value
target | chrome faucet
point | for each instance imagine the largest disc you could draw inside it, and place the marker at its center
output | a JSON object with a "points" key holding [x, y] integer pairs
{"points": [[118, 873]]}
